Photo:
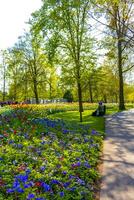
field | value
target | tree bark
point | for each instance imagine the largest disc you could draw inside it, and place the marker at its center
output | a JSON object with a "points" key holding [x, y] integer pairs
{"points": [[90, 91], [105, 98], [80, 100], [121, 86], [50, 90], [4, 81], [36, 92]]}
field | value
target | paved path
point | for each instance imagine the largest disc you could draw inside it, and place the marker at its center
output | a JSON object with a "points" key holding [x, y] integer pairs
{"points": [[118, 166]]}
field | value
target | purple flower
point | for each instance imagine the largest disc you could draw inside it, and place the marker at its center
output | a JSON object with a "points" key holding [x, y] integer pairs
{"points": [[42, 168], [94, 132], [76, 164], [86, 164], [86, 140], [64, 172], [58, 166], [72, 189], [20, 146], [71, 177], [81, 182], [66, 184]]}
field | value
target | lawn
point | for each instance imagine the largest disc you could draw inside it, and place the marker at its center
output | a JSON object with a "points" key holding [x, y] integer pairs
{"points": [[72, 117]]}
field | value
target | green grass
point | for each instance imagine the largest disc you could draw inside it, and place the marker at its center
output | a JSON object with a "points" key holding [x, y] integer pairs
{"points": [[97, 123], [72, 117], [114, 108]]}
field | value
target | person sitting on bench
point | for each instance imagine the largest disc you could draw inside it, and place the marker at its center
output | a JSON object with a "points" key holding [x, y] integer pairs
{"points": [[100, 111]]}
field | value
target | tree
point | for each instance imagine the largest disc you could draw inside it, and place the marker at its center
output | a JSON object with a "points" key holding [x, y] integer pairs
{"points": [[68, 96], [34, 60], [119, 14], [13, 61], [4, 73], [67, 19]]}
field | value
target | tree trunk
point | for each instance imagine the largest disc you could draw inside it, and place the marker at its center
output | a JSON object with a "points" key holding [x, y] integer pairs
{"points": [[26, 90], [15, 91], [121, 86], [105, 98], [90, 91], [4, 81], [36, 92], [80, 100], [116, 98], [50, 90]]}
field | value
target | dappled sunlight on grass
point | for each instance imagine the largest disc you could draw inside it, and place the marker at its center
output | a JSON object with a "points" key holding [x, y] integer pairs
{"points": [[96, 123]]}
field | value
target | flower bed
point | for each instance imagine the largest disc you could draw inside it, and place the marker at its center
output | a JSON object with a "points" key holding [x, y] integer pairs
{"points": [[42, 109], [43, 159]]}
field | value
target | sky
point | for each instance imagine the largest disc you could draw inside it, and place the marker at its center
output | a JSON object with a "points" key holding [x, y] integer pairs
{"points": [[13, 15]]}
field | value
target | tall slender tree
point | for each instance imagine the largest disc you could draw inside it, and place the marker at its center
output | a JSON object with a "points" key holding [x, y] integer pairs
{"points": [[67, 19]]}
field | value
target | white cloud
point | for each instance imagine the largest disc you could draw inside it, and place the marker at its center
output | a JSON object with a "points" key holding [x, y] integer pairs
{"points": [[13, 15]]}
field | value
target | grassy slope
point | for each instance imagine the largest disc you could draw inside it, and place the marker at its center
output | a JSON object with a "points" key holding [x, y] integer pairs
{"points": [[72, 117]]}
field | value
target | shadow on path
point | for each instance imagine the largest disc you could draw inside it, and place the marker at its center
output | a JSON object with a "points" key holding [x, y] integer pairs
{"points": [[118, 159]]}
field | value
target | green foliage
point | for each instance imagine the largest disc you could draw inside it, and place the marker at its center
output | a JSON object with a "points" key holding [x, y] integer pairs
{"points": [[68, 96], [45, 157]]}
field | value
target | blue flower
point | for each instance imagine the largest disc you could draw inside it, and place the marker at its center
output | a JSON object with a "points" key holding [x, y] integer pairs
{"points": [[20, 190], [27, 185], [31, 196], [11, 141], [46, 187], [16, 184], [20, 146], [65, 131], [66, 184], [22, 177], [72, 189], [39, 152], [61, 194], [43, 142], [55, 182], [10, 191], [28, 171]]}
